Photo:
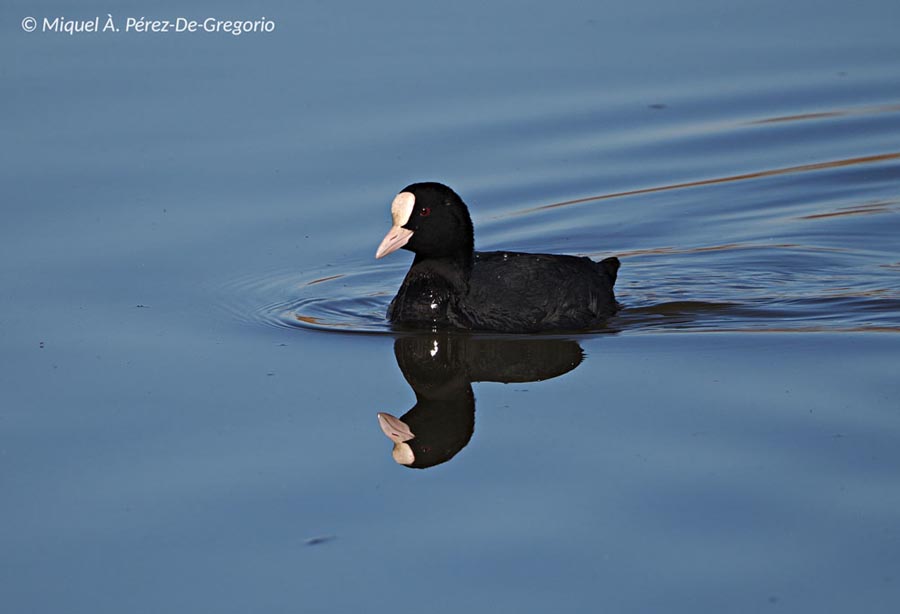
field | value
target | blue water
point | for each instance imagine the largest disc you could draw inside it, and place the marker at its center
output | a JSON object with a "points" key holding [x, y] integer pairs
{"points": [[194, 352]]}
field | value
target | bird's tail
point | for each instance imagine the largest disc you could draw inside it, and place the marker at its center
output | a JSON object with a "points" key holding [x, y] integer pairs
{"points": [[611, 267]]}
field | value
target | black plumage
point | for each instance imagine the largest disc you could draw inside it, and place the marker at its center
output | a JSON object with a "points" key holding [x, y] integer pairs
{"points": [[449, 285]]}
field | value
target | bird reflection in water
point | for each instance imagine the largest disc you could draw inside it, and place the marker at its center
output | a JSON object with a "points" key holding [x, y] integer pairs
{"points": [[441, 367]]}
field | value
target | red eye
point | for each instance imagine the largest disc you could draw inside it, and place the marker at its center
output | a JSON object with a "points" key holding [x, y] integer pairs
{"points": [[425, 212]]}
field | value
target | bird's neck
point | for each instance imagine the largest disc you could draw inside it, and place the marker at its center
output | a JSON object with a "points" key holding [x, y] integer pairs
{"points": [[454, 270]]}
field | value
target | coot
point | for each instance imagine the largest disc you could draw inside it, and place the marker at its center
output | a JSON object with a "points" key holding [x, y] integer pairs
{"points": [[449, 285]]}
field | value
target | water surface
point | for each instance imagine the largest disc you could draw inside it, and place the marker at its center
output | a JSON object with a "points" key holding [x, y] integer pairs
{"points": [[192, 333]]}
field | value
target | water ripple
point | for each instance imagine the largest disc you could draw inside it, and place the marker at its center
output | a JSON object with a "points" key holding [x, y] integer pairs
{"points": [[703, 299], [353, 300], [873, 110], [802, 168]]}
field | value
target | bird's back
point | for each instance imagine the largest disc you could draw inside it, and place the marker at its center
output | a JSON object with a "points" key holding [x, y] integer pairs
{"points": [[521, 292]]}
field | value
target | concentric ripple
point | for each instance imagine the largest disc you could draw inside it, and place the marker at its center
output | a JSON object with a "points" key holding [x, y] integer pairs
{"points": [[352, 300], [706, 297]]}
